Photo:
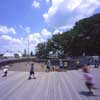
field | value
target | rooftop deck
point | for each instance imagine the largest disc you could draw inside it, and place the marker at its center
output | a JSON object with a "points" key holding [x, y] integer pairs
{"points": [[47, 86]]}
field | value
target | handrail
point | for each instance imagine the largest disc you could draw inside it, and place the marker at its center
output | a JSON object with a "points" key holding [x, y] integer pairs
{"points": [[15, 60]]}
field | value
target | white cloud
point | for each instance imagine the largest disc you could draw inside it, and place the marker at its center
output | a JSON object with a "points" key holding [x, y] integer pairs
{"points": [[16, 41], [9, 43], [9, 39], [56, 32], [66, 12], [6, 30], [65, 28], [47, 1], [28, 29], [25, 29], [45, 33], [6, 37], [21, 26], [36, 4], [36, 38], [19, 44]]}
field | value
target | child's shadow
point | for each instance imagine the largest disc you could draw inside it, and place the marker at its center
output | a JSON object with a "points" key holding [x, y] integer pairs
{"points": [[86, 93]]}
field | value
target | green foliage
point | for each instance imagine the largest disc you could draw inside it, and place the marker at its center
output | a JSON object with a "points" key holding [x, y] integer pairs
{"points": [[84, 37]]}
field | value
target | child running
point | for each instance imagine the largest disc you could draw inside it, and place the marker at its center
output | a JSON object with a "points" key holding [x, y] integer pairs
{"points": [[32, 72], [89, 79], [5, 71]]}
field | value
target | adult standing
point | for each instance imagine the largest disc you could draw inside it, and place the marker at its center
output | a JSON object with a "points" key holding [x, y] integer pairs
{"points": [[48, 65], [61, 63], [96, 61]]}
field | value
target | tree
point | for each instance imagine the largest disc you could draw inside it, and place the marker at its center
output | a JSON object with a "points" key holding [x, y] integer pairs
{"points": [[84, 37], [41, 50], [88, 32]]}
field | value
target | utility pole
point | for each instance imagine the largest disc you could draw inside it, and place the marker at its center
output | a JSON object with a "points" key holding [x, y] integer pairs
{"points": [[28, 47], [45, 45], [27, 64]]}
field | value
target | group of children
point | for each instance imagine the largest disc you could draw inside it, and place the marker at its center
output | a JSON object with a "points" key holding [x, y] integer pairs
{"points": [[31, 74], [89, 79], [51, 67]]}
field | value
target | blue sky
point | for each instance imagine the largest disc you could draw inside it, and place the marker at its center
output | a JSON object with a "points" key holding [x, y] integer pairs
{"points": [[38, 20]]}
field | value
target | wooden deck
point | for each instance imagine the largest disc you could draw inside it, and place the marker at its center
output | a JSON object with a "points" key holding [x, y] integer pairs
{"points": [[48, 86]]}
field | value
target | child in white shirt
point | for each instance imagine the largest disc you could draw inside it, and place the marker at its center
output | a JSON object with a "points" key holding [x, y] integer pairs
{"points": [[5, 71]]}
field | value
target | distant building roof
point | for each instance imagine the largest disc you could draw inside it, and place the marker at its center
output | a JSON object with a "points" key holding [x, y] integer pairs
{"points": [[8, 54]]}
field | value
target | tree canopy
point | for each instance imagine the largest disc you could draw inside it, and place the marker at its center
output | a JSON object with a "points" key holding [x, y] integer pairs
{"points": [[83, 38]]}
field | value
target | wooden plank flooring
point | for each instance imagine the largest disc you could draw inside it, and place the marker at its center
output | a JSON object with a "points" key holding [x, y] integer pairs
{"points": [[47, 86]]}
